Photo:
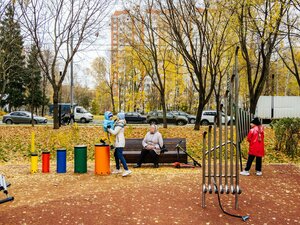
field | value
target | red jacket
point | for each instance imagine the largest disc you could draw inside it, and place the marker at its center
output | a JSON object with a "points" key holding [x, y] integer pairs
{"points": [[256, 141]]}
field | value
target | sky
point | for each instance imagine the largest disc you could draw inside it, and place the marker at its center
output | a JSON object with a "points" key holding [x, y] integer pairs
{"points": [[84, 58]]}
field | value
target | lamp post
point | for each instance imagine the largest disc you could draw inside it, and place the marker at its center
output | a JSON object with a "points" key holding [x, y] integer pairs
{"points": [[71, 82]]}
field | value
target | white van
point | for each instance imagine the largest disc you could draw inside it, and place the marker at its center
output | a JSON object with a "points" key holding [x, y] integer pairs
{"points": [[82, 115]]}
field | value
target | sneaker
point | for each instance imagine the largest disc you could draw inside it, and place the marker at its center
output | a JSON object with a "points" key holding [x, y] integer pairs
{"points": [[116, 171], [258, 173], [126, 173], [245, 173], [137, 166]]}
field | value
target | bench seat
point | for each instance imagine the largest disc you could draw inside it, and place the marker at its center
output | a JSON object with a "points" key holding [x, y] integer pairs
{"points": [[134, 146]]}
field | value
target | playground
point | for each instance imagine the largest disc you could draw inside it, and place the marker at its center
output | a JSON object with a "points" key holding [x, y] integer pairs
{"points": [[149, 196]]}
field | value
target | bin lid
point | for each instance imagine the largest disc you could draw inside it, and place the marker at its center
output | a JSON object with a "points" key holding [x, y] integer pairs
{"points": [[80, 146], [61, 149], [101, 145], [34, 154], [45, 152]]}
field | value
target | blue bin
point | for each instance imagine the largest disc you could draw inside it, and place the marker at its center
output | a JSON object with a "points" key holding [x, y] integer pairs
{"points": [[61, 160]]}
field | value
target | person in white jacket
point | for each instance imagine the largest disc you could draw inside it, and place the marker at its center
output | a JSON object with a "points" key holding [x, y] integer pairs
{"points": [[152, 144], [118, 131]]}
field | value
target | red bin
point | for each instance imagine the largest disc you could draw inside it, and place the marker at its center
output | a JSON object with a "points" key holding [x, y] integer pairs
{"points": [[46, 162]]}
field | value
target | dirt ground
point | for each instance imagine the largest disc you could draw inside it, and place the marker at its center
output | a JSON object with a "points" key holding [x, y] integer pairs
{"points": [[149, 196]]}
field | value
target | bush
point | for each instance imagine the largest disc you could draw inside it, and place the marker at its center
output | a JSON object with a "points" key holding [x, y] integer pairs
{"points": [[2, 113], [287, 136]]}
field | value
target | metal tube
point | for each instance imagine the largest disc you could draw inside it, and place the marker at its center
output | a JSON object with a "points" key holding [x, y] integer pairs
{"points": [[215, 151], [220, 151], [226, 141], [231, 135], [204, 189], [209, 160], [237, 125]]}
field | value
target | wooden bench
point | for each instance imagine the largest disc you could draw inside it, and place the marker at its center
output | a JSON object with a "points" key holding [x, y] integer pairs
{"points": [[134, 146]]}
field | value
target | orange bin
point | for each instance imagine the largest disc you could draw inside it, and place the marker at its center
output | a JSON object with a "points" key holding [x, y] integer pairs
{"points": [[102, 159]]}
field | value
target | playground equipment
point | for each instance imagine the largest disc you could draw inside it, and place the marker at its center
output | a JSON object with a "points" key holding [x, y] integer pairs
{"points": [[3, 188], [220, 170], [45, 162], [34, 162], [80, 159], [102, 159], [61, 160], [34, 155]]}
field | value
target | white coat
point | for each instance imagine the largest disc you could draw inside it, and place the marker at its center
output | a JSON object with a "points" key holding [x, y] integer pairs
{"points": [[119, 133]]}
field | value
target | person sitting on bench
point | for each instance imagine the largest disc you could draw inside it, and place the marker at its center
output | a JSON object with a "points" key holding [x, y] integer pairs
{"points": [[151, 145]]}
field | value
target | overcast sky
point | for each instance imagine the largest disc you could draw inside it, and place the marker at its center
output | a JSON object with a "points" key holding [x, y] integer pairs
{"points": [[101, 48]]}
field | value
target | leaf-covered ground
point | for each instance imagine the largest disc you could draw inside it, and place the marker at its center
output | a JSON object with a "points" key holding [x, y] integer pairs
{"points": [[149, 196]]}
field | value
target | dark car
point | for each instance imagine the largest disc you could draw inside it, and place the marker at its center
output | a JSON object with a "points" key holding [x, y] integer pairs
{"points": [[191, 118], [157, 117], [22, 117], [134, 117]]}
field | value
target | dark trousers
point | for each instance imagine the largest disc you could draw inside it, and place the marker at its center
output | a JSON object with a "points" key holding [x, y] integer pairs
{"points": [[120, 157], [257, 165], [153, 155], [71, 118]]}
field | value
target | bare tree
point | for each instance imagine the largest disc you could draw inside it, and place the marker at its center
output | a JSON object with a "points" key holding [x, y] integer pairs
{"points": [[293, 36], [197, 34], [61, 26], [258, 30]]}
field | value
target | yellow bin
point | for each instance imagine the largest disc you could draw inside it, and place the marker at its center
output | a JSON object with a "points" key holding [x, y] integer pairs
{"points": [[34, 162], [102, 159]]}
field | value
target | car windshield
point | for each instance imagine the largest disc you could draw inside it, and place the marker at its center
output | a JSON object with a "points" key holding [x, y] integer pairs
{"points": [[81, 110]]}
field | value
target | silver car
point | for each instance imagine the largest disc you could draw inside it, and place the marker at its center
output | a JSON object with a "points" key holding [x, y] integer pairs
{"points": [[22, 117], [208, 117]]}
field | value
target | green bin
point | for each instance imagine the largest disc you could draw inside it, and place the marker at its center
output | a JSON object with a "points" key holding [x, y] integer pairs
{"points": [[80, 159]]}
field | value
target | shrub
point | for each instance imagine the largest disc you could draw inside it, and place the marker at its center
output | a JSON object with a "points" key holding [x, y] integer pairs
{"points": [[287, 136]]}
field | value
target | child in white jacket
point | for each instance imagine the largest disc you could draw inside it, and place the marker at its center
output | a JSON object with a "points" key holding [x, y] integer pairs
{"points": [[118, 131]]}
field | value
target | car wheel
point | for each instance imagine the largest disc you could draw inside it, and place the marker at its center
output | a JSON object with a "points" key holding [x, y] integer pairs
{"points": [[204, 122], [181, 122], [153, 122], [9, 122], [82, 120], [192, 121]]}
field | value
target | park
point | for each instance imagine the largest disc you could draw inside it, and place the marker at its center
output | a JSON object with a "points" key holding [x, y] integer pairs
{"points": [[149, 112]]}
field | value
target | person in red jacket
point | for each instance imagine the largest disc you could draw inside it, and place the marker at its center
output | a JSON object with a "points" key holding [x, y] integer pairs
{"points": [[256, 147]]}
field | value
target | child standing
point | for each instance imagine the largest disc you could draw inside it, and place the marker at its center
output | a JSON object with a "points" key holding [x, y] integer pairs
{"points": [[256, 147], [118, 131]]}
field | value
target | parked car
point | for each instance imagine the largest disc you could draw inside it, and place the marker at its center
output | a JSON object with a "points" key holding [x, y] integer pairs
{"points": [[134, 117], [208, 117], [191, 118], [22, 117], [157, 117]]}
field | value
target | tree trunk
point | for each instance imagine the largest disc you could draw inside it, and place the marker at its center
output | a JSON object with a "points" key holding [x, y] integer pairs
{"points": [[163, 104], [112, 100], [201, 105], [218, 103], [253, 103], [55, 108]]}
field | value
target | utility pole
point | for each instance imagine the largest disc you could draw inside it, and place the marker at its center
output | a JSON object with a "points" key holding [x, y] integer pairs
{"points": [[71, 82]]}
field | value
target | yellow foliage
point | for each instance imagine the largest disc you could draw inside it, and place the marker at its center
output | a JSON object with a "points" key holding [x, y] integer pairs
{"points": [[15, 142]]}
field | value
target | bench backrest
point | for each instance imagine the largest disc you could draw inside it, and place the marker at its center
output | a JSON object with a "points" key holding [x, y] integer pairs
{"points": [[135, 144]]}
